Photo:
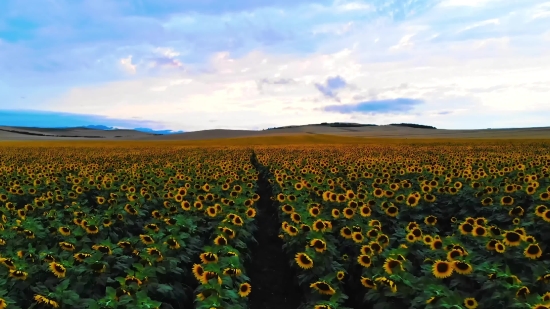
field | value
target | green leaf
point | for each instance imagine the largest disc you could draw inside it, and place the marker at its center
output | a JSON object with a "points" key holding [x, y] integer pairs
{"points": [[164, 288]]}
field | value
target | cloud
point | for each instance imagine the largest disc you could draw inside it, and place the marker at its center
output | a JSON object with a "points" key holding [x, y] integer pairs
{"points": [[247, 64], [331, 86], [399, 105], [47, 119], [127, 65]]}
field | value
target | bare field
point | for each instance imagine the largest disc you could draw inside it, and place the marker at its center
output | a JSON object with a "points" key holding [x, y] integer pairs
{"points": [[312, 134]]}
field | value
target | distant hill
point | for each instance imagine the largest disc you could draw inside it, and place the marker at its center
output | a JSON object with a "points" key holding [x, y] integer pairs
{"points": [[353, 125], [328, 124], [145, 130]]}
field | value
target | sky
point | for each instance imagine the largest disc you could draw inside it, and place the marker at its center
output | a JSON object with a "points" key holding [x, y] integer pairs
{"points": [[253, 64]]}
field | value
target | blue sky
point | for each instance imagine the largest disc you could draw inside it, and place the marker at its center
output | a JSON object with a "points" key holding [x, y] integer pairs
{"points": [[193, 65]]}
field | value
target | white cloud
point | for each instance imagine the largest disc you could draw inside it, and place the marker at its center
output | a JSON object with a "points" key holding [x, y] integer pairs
{"points": [[342, 5], [493, 21], [404, 42], [541, 11], [127, 65], [475, 81], [470, 3]]}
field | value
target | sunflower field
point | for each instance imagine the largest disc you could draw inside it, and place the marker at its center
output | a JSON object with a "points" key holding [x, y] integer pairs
{"points": [[125, 227], [169, 226], [415, 226]]}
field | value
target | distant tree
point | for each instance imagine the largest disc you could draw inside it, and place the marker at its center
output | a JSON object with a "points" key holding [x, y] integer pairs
{"points": [[413, 125]]}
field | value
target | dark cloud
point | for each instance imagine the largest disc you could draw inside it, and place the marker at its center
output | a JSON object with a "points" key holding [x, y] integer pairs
{"points": [[330, 87], [376, 106]]}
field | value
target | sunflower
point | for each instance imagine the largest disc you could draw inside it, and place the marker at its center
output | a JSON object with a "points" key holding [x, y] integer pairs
{"points": [[365, 211], [18, 274], [287, 209], [318, 244], [43, 300], [8, 263], [462, 267], [383, 239], [220, 241], [209, 275], [368, 283], [103, 249], [245, 289], [80, 257], [92, 229], [436, 244], [291, 230], [29, 234], [540, 209], [357, 237], [376, 247], [172, 243], [465, 228], [66, 246], [452, 255], [533, 251], [238, 221], [251, 212], [470, 303], [65, 231], [479, 231], [433, 299], [507, 200], [323, 288], [364, 260], [412, 200], [427, 239], [58, 270], [392, 211], [48, 258], [411, 226], [372, 233], [430, 220], [390, 264], [348, 212], [335, 213], [500, 247], [303, 260], [411, 238], [340, 275], [146, 239], [487, 201], [522, 292], [132, 279], [366, 250], [512, 238], [208, 257], [417, 233], [442, 269], [198, 271]]}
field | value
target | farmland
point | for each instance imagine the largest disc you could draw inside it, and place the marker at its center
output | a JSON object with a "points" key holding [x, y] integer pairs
{"points": [[452, 224]]}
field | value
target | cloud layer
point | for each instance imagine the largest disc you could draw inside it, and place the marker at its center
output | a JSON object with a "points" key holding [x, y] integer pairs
{"points": [[192, 65]]}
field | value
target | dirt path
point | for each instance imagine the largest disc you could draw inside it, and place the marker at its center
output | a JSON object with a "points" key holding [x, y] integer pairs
{"points": [[270, 273]]}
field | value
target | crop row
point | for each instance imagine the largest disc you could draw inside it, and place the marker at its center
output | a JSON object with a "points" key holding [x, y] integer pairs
{"points": [[125, 228], [415, 227]]}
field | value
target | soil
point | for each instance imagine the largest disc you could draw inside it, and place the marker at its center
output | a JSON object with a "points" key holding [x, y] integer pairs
{"points": [[270, 272]]}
